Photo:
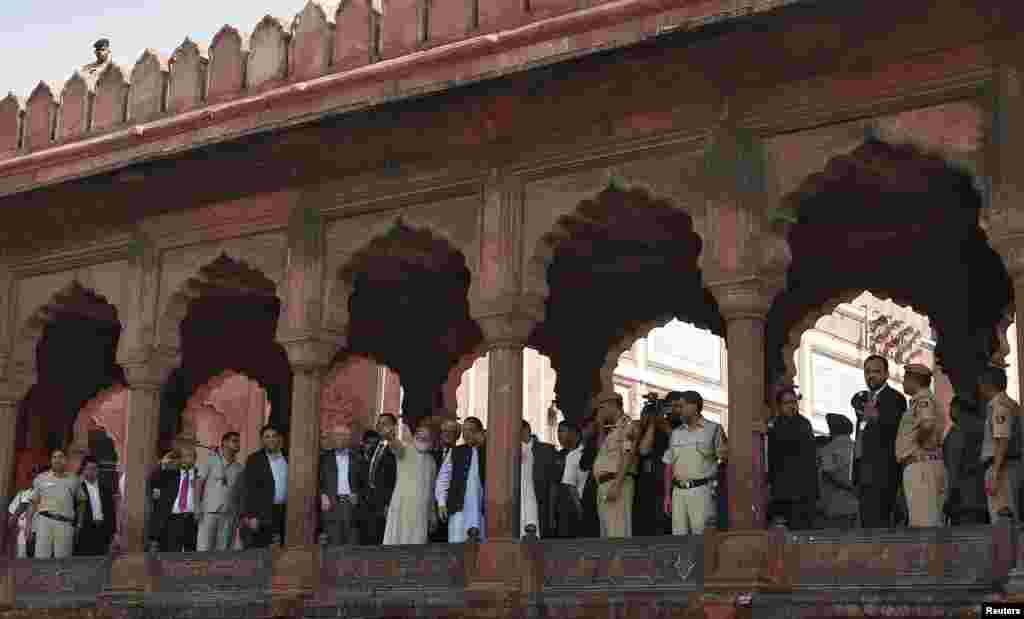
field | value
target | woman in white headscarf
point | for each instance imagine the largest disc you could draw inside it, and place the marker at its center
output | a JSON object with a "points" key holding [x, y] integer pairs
{"points": [[411, 514]]}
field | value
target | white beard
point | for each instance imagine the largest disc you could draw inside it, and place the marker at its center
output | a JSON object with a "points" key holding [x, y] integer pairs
{"points": [[421, 446]]}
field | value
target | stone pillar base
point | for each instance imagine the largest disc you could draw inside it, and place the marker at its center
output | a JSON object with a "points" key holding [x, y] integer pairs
{"points": [[501, 583], [295, 579]]}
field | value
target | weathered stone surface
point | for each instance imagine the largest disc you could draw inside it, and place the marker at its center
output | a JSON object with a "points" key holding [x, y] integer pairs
{"points": [[74, 109], [268, 53], [353, 35], [40, 117], [499, 14], [148, 96], [11, 114], [228, 53], [313, 39], [67, 583], [111, 103], [449, 20], [548, 8], [401, 27], [187, 87]]}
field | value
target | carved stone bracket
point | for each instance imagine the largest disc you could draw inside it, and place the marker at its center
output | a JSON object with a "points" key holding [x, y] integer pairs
{"points": [[309, 354], [748, 297], [508, 322]]}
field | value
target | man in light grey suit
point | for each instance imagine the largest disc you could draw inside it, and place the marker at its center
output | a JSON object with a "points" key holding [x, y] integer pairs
{"points": [[220, 480]]}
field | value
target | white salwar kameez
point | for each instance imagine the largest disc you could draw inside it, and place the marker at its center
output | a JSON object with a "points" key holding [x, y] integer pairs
{"points": [[472, 514], [412, 503], [528, 497]]}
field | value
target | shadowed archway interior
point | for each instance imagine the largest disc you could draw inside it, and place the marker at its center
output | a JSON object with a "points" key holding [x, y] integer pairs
{"points": [[409, 311], [75, 360], [620, 261], [905, 224]]}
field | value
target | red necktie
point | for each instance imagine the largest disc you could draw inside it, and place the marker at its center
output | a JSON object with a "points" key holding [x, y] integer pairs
{"points": [[183, 493]]}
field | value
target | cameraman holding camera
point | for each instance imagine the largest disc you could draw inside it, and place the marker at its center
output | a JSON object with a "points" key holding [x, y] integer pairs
{"points": [[648, 517]]}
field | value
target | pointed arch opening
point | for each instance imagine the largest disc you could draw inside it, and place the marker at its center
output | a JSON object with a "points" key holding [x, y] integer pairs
{"points": [[409, 312], [634, 258], [903, 224], [72, 343], [223, 322]]}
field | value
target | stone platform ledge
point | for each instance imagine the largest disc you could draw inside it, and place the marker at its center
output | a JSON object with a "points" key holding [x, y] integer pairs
{"points": [[908, 572]]}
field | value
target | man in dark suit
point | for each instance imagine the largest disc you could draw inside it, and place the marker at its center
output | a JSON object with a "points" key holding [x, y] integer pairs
{"points": [[175, 499], [266, 491], [878, 474], [544, 483], [343, 483], [383, 470], [97, 516]]}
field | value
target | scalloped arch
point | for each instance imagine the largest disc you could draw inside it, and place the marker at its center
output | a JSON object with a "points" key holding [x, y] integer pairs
{"points": [[602, 206], [72, 298], [225, 273], [393, 234]]}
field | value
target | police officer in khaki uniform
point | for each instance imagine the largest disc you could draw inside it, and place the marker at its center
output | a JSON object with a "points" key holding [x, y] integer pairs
{"points": [[691, 462], [1000, 451], [614, 467], [919, 449]]}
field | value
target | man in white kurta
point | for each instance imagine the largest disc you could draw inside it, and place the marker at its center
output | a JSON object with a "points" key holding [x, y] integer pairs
{"points": [[411, 512], [471, 514]]}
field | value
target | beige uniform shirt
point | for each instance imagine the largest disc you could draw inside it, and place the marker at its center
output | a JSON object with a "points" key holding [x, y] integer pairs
{"points": [[58, 495], [911, 440], [615, 447], [693, 452]]}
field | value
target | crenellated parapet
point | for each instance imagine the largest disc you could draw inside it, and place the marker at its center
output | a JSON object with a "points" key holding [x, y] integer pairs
{"points": [[326, 37]]}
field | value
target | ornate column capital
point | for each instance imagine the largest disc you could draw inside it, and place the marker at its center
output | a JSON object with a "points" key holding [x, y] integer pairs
{"points": [[508, 322], [148, 368], [748, 297], [309, 354]]}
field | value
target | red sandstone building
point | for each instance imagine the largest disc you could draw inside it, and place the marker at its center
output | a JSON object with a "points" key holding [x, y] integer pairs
{"points": [[421, 183]]}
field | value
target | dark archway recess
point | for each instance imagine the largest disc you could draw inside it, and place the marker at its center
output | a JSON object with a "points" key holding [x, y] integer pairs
{"points": [[75, 359], [624, 260], [903, 224], [228, 331], [410, 311]]}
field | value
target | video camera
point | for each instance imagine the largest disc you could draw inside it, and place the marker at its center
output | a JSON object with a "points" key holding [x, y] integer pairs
{"points": [[654, 406]]}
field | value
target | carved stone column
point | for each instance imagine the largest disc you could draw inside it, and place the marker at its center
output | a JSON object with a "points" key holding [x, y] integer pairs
{"points": [[504, 567], [142, 416], [309, 361], [744, 305], [10, 395]]}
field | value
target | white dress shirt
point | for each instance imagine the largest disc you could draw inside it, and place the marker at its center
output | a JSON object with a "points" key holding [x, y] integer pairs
{"points": [[190, 506], [93, 488], [279, 468], [342, 457], [573, 476]]}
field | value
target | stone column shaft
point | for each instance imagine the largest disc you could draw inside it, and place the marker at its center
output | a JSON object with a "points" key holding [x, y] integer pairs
{"points": [[8, 438], [504, 448], [142, 414], [745, 344], [303, 456]]}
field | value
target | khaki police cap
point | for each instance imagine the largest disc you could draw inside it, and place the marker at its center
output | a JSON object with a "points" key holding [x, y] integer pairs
{"points": [[918, 369], [606, 396]]}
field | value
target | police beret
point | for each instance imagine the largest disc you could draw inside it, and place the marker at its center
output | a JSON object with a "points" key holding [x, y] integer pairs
{"points": [[607, 396], [918, 369]]}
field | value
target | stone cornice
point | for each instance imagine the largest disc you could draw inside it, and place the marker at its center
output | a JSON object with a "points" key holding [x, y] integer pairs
{"points": [[110, 250]]}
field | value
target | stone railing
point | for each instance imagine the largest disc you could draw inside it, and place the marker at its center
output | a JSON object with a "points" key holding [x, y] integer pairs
{"points": [[326, 37], [941, 572]]}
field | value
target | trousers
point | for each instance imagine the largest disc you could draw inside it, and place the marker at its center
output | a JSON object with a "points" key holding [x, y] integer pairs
{"points": [[692, 508], [54, 539], [616, 517], [924, 485], [216, 532]]}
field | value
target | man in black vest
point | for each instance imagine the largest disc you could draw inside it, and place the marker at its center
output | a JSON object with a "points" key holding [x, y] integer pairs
{"points": [[878, 474], [460, 485]]}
